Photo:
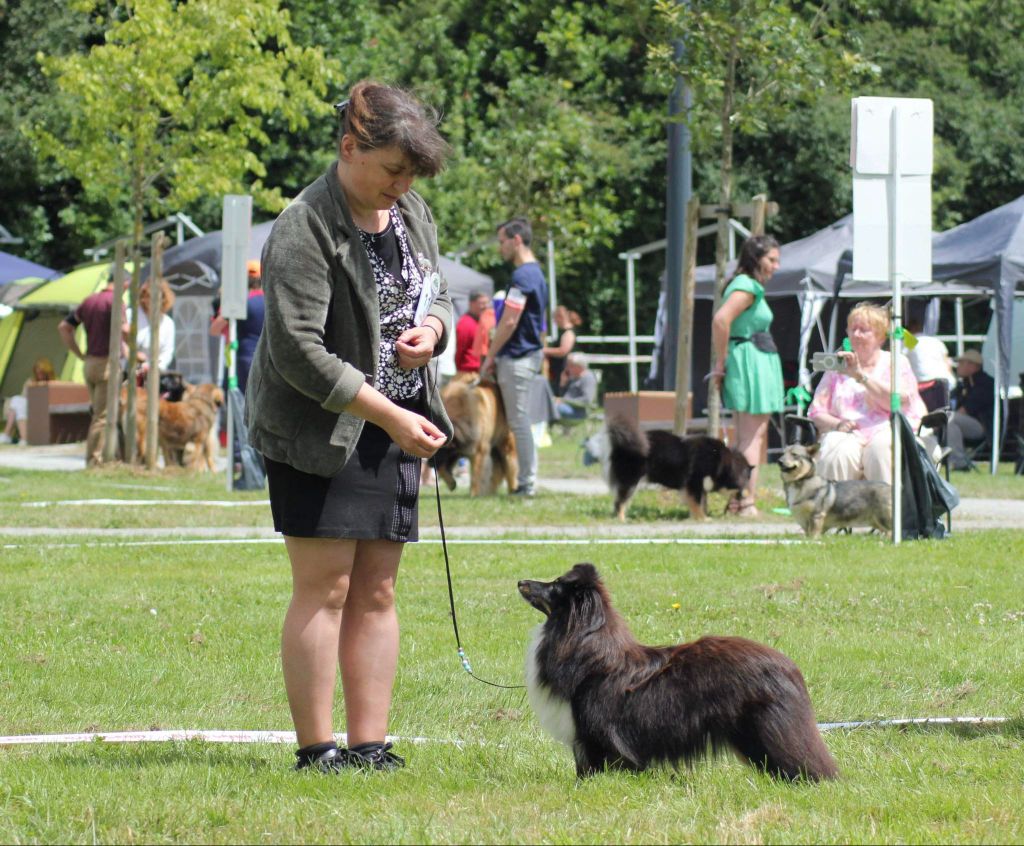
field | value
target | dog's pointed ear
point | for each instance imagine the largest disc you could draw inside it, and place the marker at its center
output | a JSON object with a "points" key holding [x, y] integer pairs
{"points": [[586, 572], [812, 450]]}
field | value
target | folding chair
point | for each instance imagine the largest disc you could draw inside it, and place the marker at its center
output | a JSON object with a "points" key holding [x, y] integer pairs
{"points": [[935, 395]]}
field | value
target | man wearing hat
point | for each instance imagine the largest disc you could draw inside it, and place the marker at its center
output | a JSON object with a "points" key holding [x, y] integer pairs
{"points": [[975, 394]]}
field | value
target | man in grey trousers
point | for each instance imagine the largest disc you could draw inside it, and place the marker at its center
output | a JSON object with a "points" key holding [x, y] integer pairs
{"points": [[516, 349]]}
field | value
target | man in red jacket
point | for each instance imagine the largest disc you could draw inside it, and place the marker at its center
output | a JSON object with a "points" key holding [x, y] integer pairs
{"points": [[466, 358]]}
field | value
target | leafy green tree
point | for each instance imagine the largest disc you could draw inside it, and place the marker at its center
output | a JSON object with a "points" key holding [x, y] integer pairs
{"points": [[39, 201], [747, 62], [169, 107]]}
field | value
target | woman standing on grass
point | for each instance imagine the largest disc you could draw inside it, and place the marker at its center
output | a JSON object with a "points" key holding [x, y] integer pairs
{"points": [[749, 369], [337, 405]]}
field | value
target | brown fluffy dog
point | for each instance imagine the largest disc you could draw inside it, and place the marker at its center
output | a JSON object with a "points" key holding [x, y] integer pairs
{"points": [[619, 704], [481, 431], [186, 435]]}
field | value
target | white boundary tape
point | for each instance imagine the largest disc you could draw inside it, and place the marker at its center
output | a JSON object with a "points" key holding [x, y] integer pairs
{"points": [[277, 737], [913, 721], [206, 735], [451, 542]]}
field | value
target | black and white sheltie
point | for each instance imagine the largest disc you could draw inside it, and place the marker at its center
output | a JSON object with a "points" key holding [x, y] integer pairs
{"points": [[693, 466], [617, 703]]}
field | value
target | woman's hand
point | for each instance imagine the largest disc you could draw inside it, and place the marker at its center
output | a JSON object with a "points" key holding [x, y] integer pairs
{"points": [[846, 426], [414, 434], [415, 347], [853, 368]]}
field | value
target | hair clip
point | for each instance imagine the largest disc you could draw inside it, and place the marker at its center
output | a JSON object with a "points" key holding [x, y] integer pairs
{"points": [[340, 108]]}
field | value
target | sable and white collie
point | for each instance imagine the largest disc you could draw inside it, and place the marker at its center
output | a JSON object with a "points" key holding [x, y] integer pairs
{"points": [[619, 704]]}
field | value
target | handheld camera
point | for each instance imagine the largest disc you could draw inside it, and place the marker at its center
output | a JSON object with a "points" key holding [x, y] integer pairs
{"points": [[828, 361]]}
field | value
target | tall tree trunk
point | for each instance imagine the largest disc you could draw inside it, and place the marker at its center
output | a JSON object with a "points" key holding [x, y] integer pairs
{"points": [[724, 209]]}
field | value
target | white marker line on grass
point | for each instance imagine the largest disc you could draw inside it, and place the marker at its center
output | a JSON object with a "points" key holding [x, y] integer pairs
{"points": [[432, 541], [217, 503], [221, 736], [206, 735]]}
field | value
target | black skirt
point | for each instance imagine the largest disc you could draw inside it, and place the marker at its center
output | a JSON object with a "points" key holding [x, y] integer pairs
{"points": [[373, 497]]}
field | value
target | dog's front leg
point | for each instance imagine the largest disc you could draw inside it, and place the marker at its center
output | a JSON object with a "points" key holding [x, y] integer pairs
{"points": [[696, 506], [816, 525], [585, 766]]}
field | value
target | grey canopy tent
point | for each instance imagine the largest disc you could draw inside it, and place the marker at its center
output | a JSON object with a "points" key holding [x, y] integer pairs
{"points": [[193, 268]]}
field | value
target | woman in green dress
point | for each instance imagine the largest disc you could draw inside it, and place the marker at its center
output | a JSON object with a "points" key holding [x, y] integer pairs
{"points": [[748, 368]]}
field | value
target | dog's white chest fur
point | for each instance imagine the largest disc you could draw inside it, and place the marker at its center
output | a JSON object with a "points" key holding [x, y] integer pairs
{"points": [[553, 712]]}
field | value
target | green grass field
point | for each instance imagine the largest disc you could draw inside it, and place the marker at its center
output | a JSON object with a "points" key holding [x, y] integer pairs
{"points": [[106, 636]]}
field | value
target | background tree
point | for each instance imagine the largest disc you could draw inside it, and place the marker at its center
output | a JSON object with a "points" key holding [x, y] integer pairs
{"points": [[552, 108], [168, 109], [747, 62], [40, 202]]}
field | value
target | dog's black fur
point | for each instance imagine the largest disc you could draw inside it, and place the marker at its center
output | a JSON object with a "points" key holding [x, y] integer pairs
{"points": [[617, 703], [694, 465]]}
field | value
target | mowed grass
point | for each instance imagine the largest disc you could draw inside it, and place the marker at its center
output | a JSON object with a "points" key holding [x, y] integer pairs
{"points": [[117, 637]]}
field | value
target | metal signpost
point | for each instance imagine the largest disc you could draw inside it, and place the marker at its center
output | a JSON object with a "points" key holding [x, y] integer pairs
{"points": [[891, 156], [234, 296]]}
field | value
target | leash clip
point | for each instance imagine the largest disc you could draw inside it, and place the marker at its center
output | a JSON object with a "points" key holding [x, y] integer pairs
{"points": [[465, 661]]}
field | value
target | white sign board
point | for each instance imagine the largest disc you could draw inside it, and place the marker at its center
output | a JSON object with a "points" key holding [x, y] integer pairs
{"points": [[891, 157], [234, 281]]}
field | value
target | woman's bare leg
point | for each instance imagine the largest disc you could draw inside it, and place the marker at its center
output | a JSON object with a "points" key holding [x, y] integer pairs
{"points": [[751, 430], [321, 570], [368, 648]]}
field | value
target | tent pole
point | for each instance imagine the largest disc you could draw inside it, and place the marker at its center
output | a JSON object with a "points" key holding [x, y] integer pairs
{"points": [[997, 410]]}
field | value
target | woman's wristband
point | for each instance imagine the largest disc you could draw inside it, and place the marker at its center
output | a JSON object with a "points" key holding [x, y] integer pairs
{"points": [[436, 333]]}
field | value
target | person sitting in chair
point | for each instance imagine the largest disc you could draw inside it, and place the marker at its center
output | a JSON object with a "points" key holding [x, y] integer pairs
{"points": [[975, 395], [851, 408], [580, 388]]}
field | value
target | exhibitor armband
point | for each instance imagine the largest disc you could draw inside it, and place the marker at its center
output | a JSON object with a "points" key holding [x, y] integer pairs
{"points": [[515, 299]]}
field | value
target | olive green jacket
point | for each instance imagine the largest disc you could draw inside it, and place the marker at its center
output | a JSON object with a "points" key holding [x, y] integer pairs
{"points": [[321, 335]]}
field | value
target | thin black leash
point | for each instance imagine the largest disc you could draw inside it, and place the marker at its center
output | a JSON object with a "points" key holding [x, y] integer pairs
{"points": [[447, 563]]}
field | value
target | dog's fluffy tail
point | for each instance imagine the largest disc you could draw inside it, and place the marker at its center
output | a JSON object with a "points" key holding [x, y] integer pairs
{"points": [[627, 461], [626, 438]]}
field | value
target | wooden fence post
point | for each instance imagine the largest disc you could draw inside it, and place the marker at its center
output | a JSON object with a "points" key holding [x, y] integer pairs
{"points": [[684, 353], [156, 269]]}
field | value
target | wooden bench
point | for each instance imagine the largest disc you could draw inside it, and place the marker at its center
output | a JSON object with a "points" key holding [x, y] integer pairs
{"points": [[58, 413]]}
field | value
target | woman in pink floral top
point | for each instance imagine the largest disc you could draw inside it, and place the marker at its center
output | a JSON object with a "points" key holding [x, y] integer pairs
{"points": [[851, 409]]}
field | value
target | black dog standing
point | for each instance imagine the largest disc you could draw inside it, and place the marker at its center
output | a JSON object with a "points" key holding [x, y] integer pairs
{"points": [[617, 703]]}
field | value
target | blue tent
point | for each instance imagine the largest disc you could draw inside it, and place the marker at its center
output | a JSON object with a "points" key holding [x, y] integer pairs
{"points": [[13, 268]]}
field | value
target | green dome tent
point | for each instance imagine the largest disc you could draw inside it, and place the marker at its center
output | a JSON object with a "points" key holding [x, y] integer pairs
{"points": [[30, 331]]}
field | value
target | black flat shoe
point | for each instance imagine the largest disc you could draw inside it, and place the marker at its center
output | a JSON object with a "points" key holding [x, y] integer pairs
{"points": [[374, 756], [328, 761]]}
